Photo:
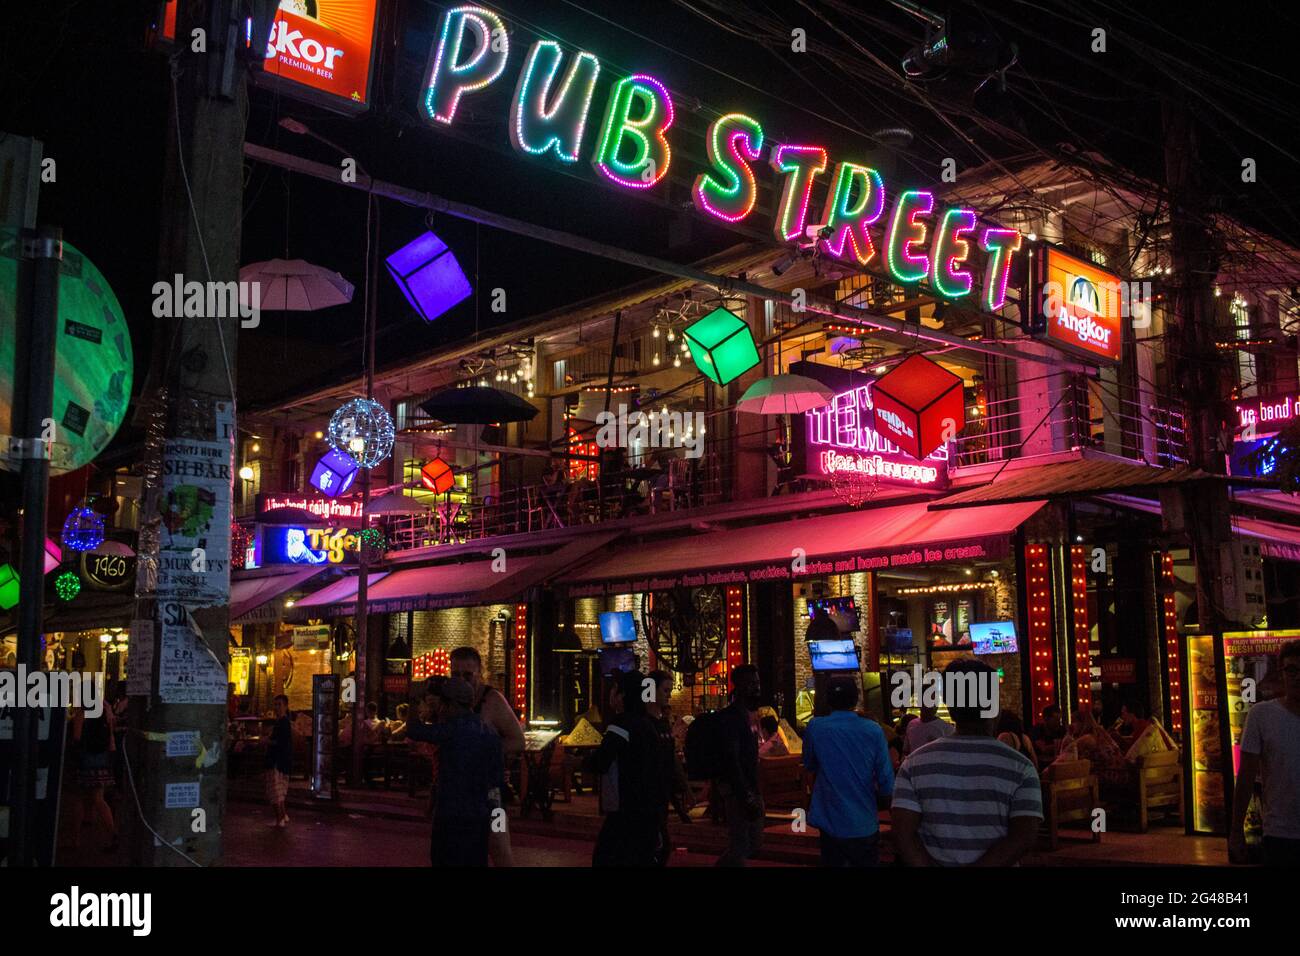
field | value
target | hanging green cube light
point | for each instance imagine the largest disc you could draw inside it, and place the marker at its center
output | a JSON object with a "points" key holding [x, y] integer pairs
{"points": [[721, 346], [8, 587]]}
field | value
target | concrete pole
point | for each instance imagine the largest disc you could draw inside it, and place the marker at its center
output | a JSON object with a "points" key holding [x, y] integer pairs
{"points": [[194, 359]]}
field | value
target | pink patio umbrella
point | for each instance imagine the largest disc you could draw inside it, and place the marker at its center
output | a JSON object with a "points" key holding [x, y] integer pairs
{"points": [[784, 395], [296, 285]]}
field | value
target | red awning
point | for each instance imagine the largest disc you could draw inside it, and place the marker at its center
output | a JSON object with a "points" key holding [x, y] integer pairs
{"points": [[334, 599], [1278, 541], [248, 594], [898, 536], [440, 585], [417, 589]]}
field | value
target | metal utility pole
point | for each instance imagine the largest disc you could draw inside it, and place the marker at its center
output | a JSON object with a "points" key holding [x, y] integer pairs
{"points": [[37, 319], [185, 531], [361, 648]]}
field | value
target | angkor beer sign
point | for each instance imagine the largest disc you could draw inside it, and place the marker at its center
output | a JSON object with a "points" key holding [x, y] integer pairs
{"points": [[322, 50], [627, 140], [1081, 307]]}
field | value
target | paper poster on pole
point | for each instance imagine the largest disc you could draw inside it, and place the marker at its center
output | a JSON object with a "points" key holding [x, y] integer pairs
{"points": [[194, 551], [188, 672], [139, 659], [182, 795]]}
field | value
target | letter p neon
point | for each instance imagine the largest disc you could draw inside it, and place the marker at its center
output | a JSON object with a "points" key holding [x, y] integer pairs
{"points": [[462, 64]]}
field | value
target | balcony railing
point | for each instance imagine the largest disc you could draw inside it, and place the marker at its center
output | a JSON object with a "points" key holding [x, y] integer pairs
{"points": [[1124, 421], [685, 483], [1077, 414]]}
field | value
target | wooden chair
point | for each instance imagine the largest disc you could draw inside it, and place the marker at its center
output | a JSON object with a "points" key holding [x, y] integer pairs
{"points": [[1069, 793], [781, 782], [1159, 785]]}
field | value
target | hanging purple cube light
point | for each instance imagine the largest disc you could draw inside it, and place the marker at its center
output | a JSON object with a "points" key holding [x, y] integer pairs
{"points": [[334, 472], [429, 275]]}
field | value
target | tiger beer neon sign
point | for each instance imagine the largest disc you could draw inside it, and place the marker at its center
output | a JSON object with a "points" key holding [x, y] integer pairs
{"points": [[913, 240]]}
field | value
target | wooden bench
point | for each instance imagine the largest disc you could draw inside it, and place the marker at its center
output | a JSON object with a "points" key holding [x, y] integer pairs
{"points": [[1159, 785], [1069, 794]]}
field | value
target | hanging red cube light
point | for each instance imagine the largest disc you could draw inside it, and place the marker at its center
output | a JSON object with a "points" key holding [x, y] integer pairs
{"points": [[437, 476], [918, 405]]}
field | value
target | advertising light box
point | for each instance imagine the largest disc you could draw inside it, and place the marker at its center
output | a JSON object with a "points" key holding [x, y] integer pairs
{"points": [[319, 50], [1080, 306]]}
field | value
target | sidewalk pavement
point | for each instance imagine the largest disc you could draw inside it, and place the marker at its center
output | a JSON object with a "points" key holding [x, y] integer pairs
{"points": [[579, 821]]}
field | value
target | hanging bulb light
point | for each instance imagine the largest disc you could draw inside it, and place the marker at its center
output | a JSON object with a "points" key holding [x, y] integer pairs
{"points": [[655, 332], [656, 358], [677, 361], [671, 336]]}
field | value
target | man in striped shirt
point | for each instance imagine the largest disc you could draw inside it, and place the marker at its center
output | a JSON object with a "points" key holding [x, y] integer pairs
{"points": [[967, 799]]}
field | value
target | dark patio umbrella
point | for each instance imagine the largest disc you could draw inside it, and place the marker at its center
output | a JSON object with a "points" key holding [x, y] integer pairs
{"points": [[477, 405]]}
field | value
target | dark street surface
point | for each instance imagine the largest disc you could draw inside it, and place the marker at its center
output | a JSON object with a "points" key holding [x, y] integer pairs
{"points": [[314, 838]]}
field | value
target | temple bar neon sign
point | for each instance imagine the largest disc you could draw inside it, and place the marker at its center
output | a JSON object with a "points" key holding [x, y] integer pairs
{"points": [[842, 434], [549, 115]]}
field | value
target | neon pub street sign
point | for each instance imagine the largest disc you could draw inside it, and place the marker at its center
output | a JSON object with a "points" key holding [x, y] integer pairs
{"points": [[630, 148]]}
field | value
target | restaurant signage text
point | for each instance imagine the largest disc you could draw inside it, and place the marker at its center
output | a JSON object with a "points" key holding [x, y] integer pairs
{"points": [[328, 509], [968, 550]]}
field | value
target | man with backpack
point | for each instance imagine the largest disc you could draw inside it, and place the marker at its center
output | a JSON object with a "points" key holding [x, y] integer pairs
{"points": [[634, 781], [723, 747]]}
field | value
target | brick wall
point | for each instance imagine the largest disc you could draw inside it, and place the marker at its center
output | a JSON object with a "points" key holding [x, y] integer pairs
{"points": [[449, 628]]}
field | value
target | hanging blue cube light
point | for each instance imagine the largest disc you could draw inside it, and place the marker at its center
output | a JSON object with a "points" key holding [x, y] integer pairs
{"points": [[83, 529], [334, 473], [429, 276], [362, 429]]}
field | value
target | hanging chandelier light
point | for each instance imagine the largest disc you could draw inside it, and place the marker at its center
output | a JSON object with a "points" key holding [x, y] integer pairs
{"points": [[363, 429], [67, 586], [83, 529]]}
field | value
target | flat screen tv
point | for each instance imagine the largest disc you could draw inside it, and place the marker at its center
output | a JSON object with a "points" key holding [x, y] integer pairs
{"points": [[994, 637], [842, 610], [833, 655], [617, 627]]}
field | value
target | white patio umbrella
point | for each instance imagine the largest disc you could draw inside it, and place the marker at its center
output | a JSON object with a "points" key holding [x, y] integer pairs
{"points": [[295, 285], [784, 395]]}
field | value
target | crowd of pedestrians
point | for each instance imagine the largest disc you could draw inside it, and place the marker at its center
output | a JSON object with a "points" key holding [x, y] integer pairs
{"points": [[965, 793]]}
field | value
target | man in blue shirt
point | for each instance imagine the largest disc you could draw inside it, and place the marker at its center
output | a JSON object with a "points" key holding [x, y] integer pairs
{"points": [[849, 755]]}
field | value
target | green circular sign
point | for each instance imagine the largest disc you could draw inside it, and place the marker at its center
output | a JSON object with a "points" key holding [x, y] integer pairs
{"points": [[93, 358]]}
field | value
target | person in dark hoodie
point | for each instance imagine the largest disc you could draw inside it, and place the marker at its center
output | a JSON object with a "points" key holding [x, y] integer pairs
{"points": [[634, 788]]}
